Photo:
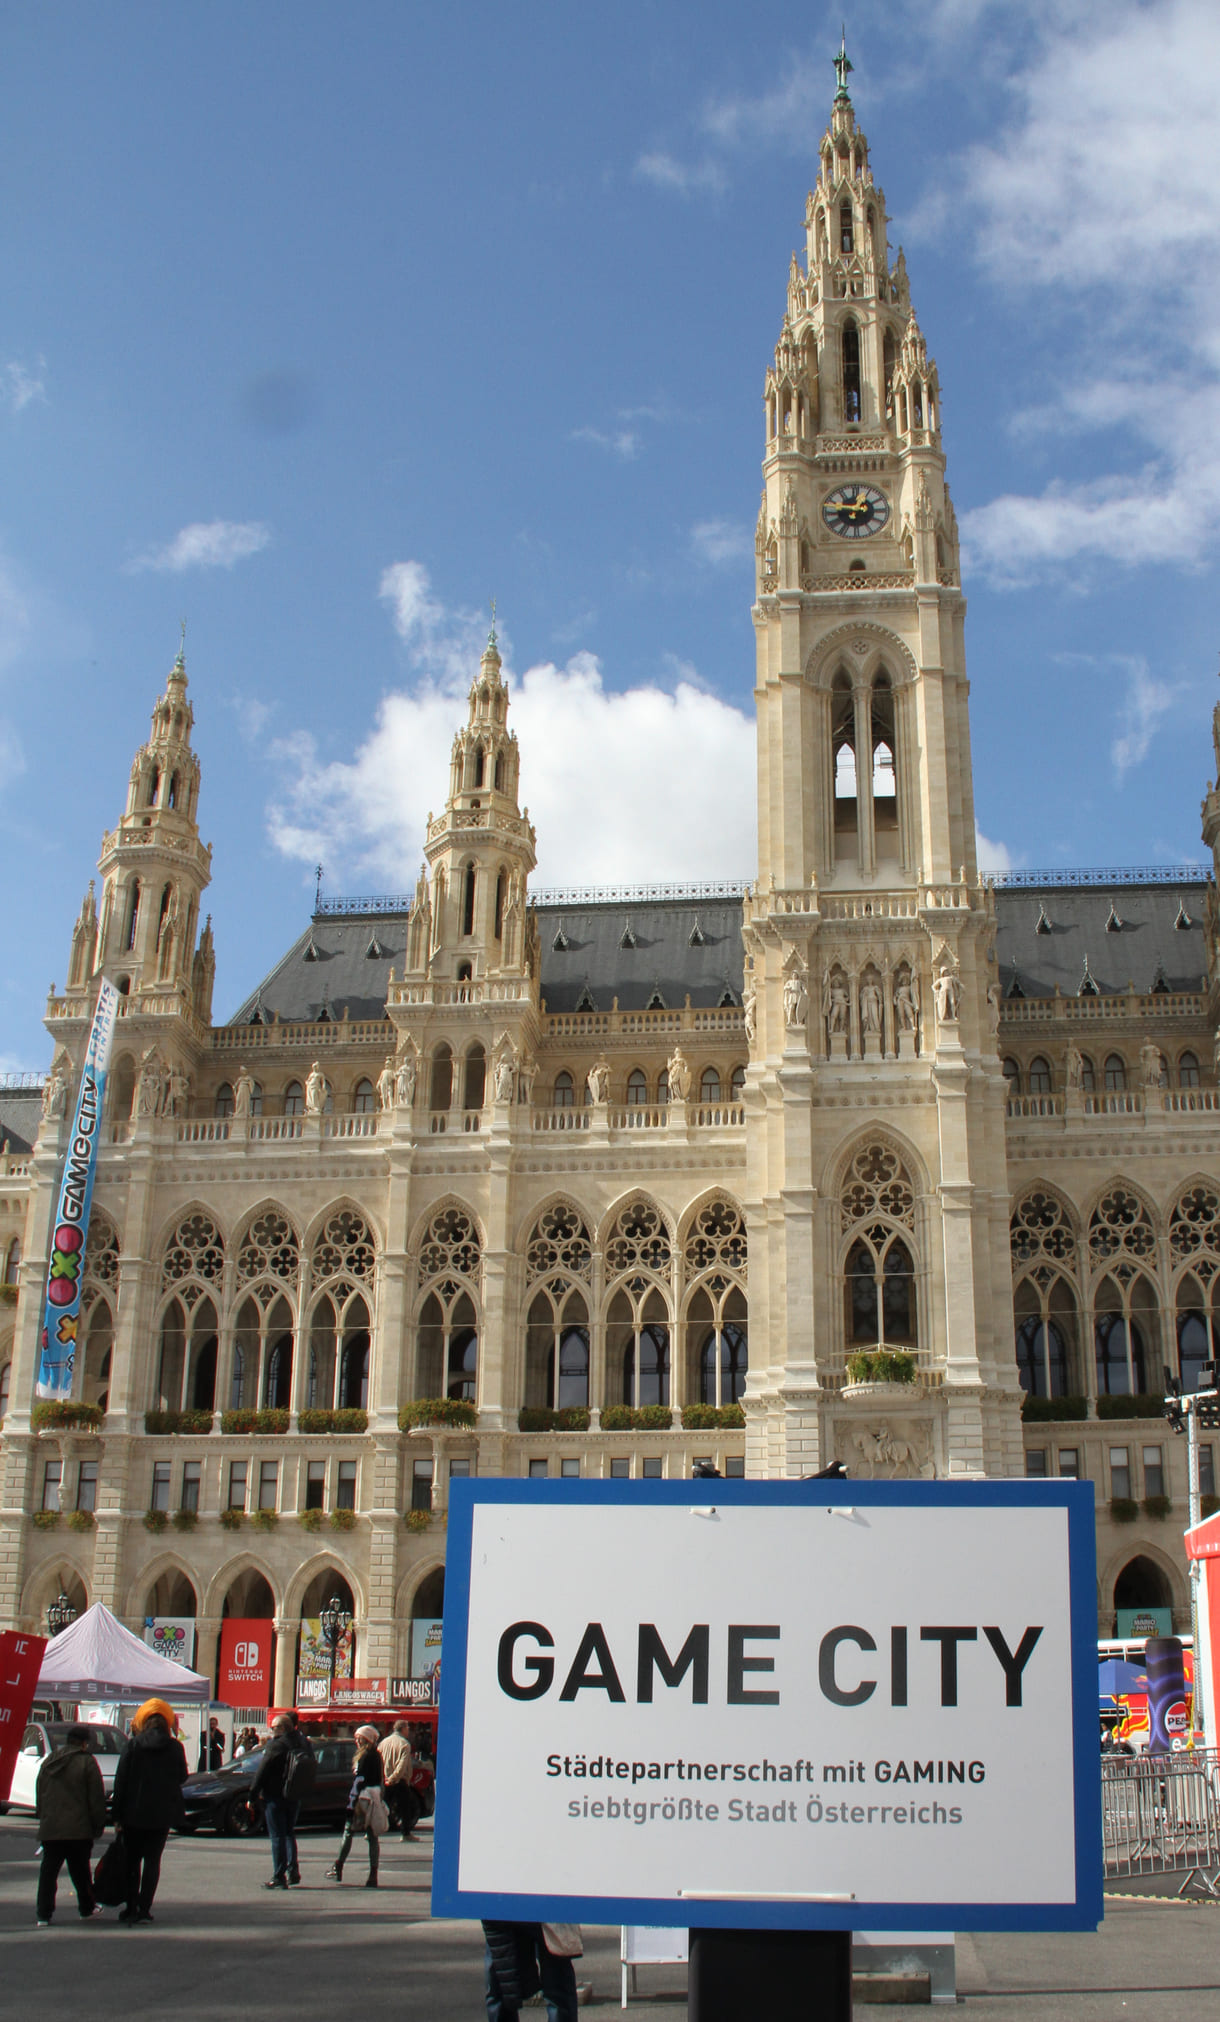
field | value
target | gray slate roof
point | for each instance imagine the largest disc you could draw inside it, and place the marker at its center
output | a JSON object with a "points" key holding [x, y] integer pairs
{"points": [[664, 950], [1148, 934], [20, 1111]]}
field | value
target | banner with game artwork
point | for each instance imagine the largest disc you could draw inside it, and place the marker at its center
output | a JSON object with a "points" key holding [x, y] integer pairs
{"points": [[314, 1660], [65, 1270]]}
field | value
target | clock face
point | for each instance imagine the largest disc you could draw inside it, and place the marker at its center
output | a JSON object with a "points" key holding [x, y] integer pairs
{"points": [[855, 510]]}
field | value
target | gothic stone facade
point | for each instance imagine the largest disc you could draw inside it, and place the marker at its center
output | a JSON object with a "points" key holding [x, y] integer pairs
{"points": [[634, 1175]]}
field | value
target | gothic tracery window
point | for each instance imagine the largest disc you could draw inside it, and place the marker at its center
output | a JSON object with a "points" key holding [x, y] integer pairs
{"points": [[638, 1260], [877, 1218], [1126, 1312], [1194, 1249], [1045, 1298], [559, 1268], [450, 1266], [715, 1267]]}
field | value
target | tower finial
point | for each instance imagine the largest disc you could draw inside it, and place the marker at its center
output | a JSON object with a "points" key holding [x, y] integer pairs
{"points": [[843, 66], [179, 666], [491, 636]]}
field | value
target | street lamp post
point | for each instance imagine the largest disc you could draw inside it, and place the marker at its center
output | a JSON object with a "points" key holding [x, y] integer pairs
{"points": [[335, 1620], [1200, 1410], [61, 1614]]}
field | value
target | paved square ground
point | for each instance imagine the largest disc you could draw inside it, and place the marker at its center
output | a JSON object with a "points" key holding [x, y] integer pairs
{"points": [[222, 1948]]}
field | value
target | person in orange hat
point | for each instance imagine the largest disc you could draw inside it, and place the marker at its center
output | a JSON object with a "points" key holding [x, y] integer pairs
{"points": [[147, 1802]]}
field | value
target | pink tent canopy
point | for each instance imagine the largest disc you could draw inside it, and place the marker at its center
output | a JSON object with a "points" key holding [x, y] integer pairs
{"points": [[97, 1658]]}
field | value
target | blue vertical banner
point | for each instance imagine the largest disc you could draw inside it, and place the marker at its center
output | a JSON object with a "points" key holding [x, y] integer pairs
{"points": [[66, 1265]]}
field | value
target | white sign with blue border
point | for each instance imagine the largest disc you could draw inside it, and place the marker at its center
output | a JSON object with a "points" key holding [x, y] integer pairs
{"points": [[786, 1704]]}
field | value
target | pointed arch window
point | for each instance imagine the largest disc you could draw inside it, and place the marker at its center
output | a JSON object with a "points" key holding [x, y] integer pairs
{"points": [[851, 371], [133, 916], [500, 885], [847, 237], [442, 1077], [475, 1078], [468, 877], [1115, 1073], [1039, 1076], [637, 1087], [224, 1099], [709, 1085], [1188, 1071], [363, 1097], [171, 798], [563, 1091], [294, 1099]]}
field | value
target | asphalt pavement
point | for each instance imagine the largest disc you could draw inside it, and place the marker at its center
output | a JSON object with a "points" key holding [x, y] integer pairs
{"points": [[222, 1947]]}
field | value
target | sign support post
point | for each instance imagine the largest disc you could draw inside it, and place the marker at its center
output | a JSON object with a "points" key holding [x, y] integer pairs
{"points": [[736, 1973]]}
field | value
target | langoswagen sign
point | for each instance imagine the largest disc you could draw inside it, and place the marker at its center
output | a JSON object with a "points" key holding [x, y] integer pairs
{"points": [[777, 1704]]}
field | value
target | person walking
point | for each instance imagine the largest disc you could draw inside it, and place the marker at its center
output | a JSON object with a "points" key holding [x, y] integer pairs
{"points": [[368, 1777], [70, 1800], [517, 1963], [398, 1763], [147, 1801], [212, 1747], [272, 1782]]}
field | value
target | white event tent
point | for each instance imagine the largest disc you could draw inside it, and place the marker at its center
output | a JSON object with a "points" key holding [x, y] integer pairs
{"points": [[97, 1658]]}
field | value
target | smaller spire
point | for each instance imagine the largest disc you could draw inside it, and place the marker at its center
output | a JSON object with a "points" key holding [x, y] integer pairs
{"points": [[178, 671], [491, 636], [843, 68]]}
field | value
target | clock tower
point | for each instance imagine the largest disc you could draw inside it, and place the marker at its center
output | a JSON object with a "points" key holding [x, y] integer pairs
{"points": [[877, 1181]]}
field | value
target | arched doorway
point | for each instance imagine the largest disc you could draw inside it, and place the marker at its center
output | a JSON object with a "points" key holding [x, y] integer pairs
{"points": [[1142, 1584], [424, 1635], [313, 1648], [249, 1599]]}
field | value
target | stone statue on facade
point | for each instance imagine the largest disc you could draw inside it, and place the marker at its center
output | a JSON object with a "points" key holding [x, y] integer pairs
{"points": [[177, 1095], [385, 1084], [993, 1008], [597, 1080], [55, 1090], [243, 1093], [679, 1075], [506, 1075], [749, 1007], [1073, 1065], [870, 1004], [906, 1002], [1150, 1064], [405, 1089], [796, 996], [316, 1090], [948, 995], [527, 1074], [835, 1002], [153, 1086]]}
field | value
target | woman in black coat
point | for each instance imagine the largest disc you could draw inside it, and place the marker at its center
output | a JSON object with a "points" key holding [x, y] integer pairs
{"points": [[517, 1964], [147, 1801]]}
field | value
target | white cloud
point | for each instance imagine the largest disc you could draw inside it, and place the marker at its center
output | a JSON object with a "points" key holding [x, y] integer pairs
{"points": [[20, 384], [685, 179], [1072, 201], [621, 442], [992, 856], [206, 544], [794, 112], [1146, 702], [657, 781], [719, 543]]}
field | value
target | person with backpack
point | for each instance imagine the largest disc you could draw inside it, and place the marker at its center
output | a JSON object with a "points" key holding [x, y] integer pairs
{"points": [[285, 1775], [70, 1799]]}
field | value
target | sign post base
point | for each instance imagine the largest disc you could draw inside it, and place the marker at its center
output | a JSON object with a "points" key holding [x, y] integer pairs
{"points": [[779, 1974]]}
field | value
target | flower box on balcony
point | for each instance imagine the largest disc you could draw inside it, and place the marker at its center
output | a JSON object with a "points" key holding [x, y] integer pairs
{"points": [[881, 1365], [447, 1411], [713, 1418], [348, 1419], [50, 1415], [343, 1520], [45, 1519], [194, 1421], [1151, 1406], [1051, 1410], [185, 1519], [417, 1519], [156, 1520], [540, 1418], [81, 1520], [269, 1420], [637, 1418]]}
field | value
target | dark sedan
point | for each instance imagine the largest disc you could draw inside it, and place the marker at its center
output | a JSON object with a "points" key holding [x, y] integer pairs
{"points": [[221, 1798]]}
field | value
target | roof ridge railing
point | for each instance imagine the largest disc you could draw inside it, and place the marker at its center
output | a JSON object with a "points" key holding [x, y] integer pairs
{"points": [[1143, 874], [638, 895], [10, 1083]]}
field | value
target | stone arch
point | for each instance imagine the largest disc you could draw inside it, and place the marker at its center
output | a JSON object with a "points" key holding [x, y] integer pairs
{"points": [[231, 1570], [428, 1215], [45, 1582], [1128, 1185], [174, 1220], [686, 1220], [884, 648], [602, 1232], [559, 1197], [167, 1566], [1108, 1241], [305, 1575], [269, 1204], [1127, 1554], [343, 1203], [411, 1584], [839, 1163]]}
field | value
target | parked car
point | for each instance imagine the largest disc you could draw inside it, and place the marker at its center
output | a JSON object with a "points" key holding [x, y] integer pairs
{"points": [[42, 1738], [220, 1798]]}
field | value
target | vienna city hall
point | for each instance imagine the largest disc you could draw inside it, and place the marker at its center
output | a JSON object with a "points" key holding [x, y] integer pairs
{"points": [[875, 1159]]}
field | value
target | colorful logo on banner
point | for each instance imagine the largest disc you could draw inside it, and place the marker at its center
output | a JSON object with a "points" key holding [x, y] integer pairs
{"points": [[65, 1270], [245, 1662], [315, 1651], [172, 1636], [20, 1663]]}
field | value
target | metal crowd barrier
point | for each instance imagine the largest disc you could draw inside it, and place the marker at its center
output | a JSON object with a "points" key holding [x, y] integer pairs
{"points": [[1161, 1815]]}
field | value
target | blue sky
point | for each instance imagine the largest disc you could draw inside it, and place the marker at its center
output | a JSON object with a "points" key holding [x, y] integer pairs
{"points": [[320, 326]]}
